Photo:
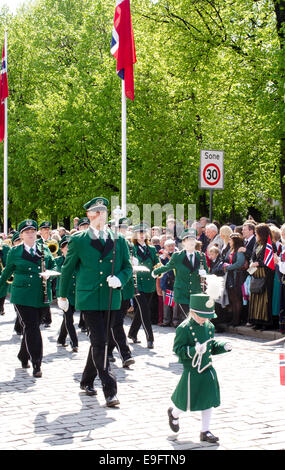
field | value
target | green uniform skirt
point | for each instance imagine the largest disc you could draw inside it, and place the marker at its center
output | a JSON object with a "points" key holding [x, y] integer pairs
{"points": [[196, 391]]}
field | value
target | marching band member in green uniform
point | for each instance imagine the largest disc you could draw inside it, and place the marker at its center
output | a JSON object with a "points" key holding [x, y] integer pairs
{"points": [[194, 344], [83, 224], [67, 326], [146, 285], [91, 253], [189, 265], [45, 231], [27, 292], [4, 250]]}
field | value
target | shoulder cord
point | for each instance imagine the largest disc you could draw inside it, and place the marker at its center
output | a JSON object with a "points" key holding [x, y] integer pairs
{"points": [[197, 359]]}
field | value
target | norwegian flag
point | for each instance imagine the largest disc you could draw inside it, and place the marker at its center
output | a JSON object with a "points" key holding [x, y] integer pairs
{"points": [[169, 298], [268, 257], [123, 45], [3, 94]]}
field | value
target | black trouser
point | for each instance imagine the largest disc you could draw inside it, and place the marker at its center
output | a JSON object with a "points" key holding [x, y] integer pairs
{"points": [[235, 299], [67, 327], [142, 316], [118, 337], [32, 345], [81, 323], [18, 327], [2, 301], [182, 312], [46, 316], [96, 323]]}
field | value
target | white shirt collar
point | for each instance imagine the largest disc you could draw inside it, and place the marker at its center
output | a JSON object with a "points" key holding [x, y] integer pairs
{"points": [[28, 248], [248, 239], [96, 232]]}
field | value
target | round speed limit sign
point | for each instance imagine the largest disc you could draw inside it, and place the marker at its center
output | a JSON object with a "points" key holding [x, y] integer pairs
{"points": [[211, 174], [211, 169]]}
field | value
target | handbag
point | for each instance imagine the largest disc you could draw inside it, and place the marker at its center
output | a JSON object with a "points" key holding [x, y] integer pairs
{"points": [[257, 285]]}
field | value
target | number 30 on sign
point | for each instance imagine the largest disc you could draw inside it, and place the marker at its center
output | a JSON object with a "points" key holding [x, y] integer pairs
{"points": [[211, 169]]}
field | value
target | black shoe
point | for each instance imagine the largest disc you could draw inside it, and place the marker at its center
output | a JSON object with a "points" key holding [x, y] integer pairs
{"points": [[89, 390], [150, 344], [2, 313], [111, 359], [208, 437], [25, 365], [128, 362], [165, 324], [112, 401], [75, 349], [134, 340], [37, 372], [63, 345], [174, 427]]}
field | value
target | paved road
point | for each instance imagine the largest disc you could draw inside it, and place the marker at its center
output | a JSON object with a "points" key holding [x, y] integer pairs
{"points": [[52, 412]]}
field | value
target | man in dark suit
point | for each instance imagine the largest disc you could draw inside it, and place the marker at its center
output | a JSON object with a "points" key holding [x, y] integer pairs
{"points": [[248, 233]]}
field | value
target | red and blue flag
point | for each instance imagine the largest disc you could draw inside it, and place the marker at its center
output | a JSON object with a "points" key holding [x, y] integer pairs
{"points": [[169, 298], [123, 45], [3, 94], [269, 256]]}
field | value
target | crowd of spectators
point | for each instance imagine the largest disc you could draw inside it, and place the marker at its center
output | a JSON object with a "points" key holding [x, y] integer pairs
{"points": [[234, 252]]}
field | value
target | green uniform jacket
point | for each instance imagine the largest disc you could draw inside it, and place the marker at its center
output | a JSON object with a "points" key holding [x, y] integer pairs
{"points": [[93, 263], [4, 254], [148, 258], [129, 288], [72, 285], [198, 388], [27, 287], [187, 279]]}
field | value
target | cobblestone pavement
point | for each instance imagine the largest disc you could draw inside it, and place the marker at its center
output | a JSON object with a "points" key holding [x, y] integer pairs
{"points": [[53, 413]]}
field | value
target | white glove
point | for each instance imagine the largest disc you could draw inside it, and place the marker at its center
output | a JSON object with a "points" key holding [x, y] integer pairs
{"points": [[135, 261], [227, 347], [154, 275], [202, 272], [63, 304], [45, 275], [201, 348], [114, 282]]}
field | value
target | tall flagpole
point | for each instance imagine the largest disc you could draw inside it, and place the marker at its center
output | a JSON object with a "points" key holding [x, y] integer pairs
{"points": [[5, 195], [124, 152]]}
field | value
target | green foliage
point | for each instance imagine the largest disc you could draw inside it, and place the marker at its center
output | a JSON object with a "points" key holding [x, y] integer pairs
{"points": [[207, 76]]}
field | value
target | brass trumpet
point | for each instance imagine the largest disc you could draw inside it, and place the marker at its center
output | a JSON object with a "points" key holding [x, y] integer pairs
{"points": [[158, 265], [53, 247]]}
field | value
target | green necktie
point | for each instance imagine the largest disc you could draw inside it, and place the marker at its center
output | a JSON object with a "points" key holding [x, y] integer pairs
{"points": [[101, 237], [191, 260], [32, 251]]}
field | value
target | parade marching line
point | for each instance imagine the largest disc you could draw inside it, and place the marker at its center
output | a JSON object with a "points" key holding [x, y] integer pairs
{"points": [[53, 413]]}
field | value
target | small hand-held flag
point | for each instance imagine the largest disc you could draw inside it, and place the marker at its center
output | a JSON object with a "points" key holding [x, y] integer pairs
{"points": [[3, 94], [123, 45], [268, 257], [169, 298]]}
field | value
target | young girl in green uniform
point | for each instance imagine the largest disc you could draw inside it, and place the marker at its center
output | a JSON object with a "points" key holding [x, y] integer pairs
{"points": [[194, 344]]}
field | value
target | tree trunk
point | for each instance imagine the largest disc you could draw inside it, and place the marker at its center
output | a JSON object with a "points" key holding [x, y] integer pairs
{"points": [[279, 6]]}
